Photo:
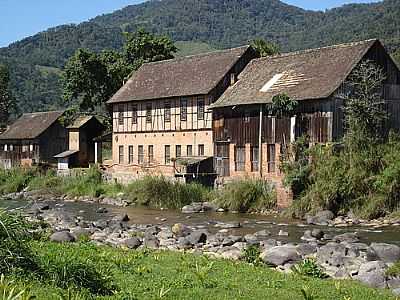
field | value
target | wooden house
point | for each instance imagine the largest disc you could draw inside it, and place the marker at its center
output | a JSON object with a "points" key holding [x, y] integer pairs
{"points": [[82, 150], [34, 138], [161, 114], [249, 140]]}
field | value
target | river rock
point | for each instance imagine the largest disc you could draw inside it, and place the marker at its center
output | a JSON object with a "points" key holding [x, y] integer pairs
{"points": [[152, 243], [62, 237], [386, 252], [231, 253], [321, 218], [348, 237], [208, 206], [331, 254], [283, 233], [196, 237], [101, 210], [280, 255], [132, 243], [372, 274], [184, 243], [81, 232], [192, 208], [317, 233], [121, 218], [394, 283], [180, 230], [230, 240], [231, 225], [307, 236], [306, 249]]}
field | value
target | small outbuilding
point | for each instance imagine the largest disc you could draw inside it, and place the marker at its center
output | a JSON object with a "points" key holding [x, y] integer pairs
{"points": [[82, 150]]}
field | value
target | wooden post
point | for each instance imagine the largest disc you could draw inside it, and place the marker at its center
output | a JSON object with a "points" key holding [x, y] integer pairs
{"points": [[260, 142], [96, 159]]}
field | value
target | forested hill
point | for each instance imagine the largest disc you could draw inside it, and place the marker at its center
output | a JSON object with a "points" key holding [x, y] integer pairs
{"points": [[35, 62]]}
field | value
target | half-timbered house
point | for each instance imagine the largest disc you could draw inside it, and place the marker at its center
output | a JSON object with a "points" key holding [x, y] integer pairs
{"points": [[161, 120], [249, 141]]}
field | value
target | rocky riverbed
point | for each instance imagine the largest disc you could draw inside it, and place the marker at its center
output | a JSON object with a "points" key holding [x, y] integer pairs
{"points": [[337, 244]]}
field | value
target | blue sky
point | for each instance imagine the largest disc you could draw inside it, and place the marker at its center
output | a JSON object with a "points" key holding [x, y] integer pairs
{"points": [[22, 18]]}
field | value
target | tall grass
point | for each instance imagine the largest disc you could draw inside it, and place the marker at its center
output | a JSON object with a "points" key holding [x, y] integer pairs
{"points": [[15, 252], [162, 192], [247, 195]]}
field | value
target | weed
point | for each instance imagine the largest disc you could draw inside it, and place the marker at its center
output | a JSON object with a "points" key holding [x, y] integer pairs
{"points": [[309, 267], [251, 255]]}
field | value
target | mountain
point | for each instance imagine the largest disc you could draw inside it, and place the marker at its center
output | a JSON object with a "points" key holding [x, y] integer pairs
{"points": [[197, 25]]}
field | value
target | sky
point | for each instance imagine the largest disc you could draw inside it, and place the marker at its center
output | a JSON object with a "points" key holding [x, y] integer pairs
{"points": [[23, 18]]}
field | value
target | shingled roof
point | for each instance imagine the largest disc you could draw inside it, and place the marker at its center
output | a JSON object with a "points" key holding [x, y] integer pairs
{"points": [[303, 75], [190, 75], [31, 126]]}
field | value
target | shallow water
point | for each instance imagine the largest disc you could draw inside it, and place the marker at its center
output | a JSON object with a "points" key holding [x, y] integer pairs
{"points": [[211, 221]]}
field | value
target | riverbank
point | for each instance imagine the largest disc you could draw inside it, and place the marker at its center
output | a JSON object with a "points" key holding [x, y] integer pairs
{"points": [[159, 274], [340, 256]]}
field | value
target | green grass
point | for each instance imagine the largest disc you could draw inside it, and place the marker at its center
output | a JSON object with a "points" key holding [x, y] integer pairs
{"points": [[172, 275]]}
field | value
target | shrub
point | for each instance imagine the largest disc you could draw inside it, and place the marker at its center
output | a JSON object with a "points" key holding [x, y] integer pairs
{"points": [[247, 195], [251, 255], [15, 253], [394, 270], [162, 192], [308, 267]]}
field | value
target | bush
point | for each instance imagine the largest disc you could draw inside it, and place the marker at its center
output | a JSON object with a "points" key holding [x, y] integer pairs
{"points": [[162, 192], [15, 252], [247, 195], [251, 255], [15, 180], [309, 268], [394, 270]]}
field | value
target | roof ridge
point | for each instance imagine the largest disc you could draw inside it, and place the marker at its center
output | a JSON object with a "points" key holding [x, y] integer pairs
{"points": [[305, 51], [44, 112], [195, 55]]}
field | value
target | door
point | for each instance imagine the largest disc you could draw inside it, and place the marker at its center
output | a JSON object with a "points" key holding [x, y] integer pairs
{"points": [[222, 159]]}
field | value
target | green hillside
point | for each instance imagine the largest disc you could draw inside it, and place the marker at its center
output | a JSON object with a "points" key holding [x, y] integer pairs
{"points": [[198, 25]]}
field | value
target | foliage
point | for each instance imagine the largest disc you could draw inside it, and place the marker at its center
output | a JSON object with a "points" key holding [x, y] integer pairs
{"points": [[92, 78], [162, 192], [251, 255], [10, 291], [15, 180], [283, 106], [6, 100], [394, 270], [265, 48], [295, 164], [75, 270], [364, 106], [309, 267], [247, 195], [14, 238], [174, 275]]}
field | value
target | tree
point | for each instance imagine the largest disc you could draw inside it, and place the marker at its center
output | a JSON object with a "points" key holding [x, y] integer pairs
{"points": [[6, 100], [283, 106], [90, 79], [265, 48], [364, 106]]}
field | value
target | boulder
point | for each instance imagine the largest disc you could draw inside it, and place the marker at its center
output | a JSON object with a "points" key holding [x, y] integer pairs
{"points": [[280, 255], [372, 274], [132, 243], [192, 208], [231, 253], [386, 252], [331, 254], [62, 237], [317, 233], [306, 249], [208, 206], [184, 243], [325, 215], [348, 237], [152, 243], [196, 237], [180, 230]]}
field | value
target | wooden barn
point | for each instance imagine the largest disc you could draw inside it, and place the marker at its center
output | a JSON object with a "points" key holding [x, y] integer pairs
{"points": [[316, 79], [33, 139]]}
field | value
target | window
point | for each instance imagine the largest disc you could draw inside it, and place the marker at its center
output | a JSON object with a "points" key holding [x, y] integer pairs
{"points": [[201, 150], [151, 154], [134, 114], [240, 158], [121, 114], [183, 109], [130, 154], [149, 108], [11, 147], [271, 158], [140, 155], [189, 150], [254, 158], [167, 111], [25, 148], [200, 109], [5, 148], [121, 154], [167, 153], [178, 151]]}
